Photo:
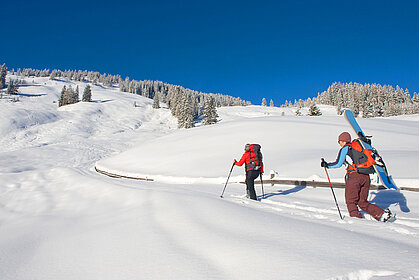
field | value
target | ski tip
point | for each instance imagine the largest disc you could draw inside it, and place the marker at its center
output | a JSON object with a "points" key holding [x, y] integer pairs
{"points": [[348, 114]]}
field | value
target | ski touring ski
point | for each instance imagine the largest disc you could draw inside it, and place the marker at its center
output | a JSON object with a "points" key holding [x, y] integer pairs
{"points": [[379, 166]]}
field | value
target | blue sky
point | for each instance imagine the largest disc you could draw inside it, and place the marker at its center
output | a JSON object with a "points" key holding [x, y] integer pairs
{"points": [[281, 50]]}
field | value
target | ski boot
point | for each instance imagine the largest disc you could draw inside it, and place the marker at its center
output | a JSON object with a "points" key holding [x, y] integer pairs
{"points": [[387, 216]]}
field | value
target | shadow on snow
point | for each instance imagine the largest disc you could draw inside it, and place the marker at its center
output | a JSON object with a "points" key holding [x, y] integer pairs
{"points": [[102, 101], [31, 95], [385, 198], [382, 198], [296, 188]]}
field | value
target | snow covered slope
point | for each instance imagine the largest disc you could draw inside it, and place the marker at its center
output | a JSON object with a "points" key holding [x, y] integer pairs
{"points": [[107, 125], [292, 146], [60, 219]]}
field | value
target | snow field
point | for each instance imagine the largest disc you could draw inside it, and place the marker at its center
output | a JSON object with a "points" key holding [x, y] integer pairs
{"points": [[59, 219], [102, 227]]}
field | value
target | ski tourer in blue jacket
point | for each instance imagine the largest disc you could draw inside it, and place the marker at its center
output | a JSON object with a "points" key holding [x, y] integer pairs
{"points": [[357, 183]]}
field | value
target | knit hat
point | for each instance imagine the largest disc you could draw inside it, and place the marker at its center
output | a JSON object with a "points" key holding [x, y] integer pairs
{"points": [[345, 136]]}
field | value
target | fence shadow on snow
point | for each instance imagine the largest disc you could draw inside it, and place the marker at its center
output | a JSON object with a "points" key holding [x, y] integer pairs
{"points": [[296, 188]]}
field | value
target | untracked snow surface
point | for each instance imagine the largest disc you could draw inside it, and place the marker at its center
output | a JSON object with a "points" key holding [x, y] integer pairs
{"points": [[60, 219]]}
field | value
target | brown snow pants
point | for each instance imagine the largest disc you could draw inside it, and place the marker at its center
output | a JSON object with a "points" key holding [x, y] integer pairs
{"points": [[356, 194]]}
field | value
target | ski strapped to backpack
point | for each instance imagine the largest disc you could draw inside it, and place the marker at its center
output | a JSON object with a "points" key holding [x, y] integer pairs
{"points": [[379, 166], [363, 159], [255, 157]]}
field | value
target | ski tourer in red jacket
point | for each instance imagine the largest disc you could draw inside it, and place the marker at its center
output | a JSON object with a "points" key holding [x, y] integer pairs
{"points": [[252, 157]]}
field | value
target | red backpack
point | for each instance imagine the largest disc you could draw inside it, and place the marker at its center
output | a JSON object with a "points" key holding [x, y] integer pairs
{"points": [[363, 159], [255, 158]]}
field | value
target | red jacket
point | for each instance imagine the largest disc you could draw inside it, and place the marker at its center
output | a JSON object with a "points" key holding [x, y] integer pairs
{"points": [[246, 159]]}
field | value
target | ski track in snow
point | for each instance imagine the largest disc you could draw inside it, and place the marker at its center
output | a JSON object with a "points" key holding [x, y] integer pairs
{"points": [[402, 225], [373, 274]]}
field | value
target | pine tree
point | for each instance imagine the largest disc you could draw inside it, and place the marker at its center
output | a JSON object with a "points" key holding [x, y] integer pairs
{"points": [[339, 110], [298, 112], [189, 112], [3, 73], [189, 121], [68, 96], [62, 96], [415, 105], [186, 116], [53, 75], [87, 94], [178, 103], [76, 95], [314, 110], [271, 103], [156, 101], [368, 110], [12, 88], [210, 112], [179, 109], [264, 102]]}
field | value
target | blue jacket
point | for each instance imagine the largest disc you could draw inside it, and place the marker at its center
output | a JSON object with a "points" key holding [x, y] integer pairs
{"points": [[341, 159]]}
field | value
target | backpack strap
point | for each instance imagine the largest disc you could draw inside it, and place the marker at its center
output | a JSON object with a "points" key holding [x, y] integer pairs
{"points": [[351, 168]]}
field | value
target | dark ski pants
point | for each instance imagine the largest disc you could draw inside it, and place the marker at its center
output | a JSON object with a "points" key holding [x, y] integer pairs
{"points": [[251, 175], [356, 194]]}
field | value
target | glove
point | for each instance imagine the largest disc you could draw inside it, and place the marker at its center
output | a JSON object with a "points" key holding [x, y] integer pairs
{"points": [[323, 163]]}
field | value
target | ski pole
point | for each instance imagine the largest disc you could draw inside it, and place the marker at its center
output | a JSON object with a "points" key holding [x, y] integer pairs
{"points": [[227, 179], [261, 181], [336, 202]]}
